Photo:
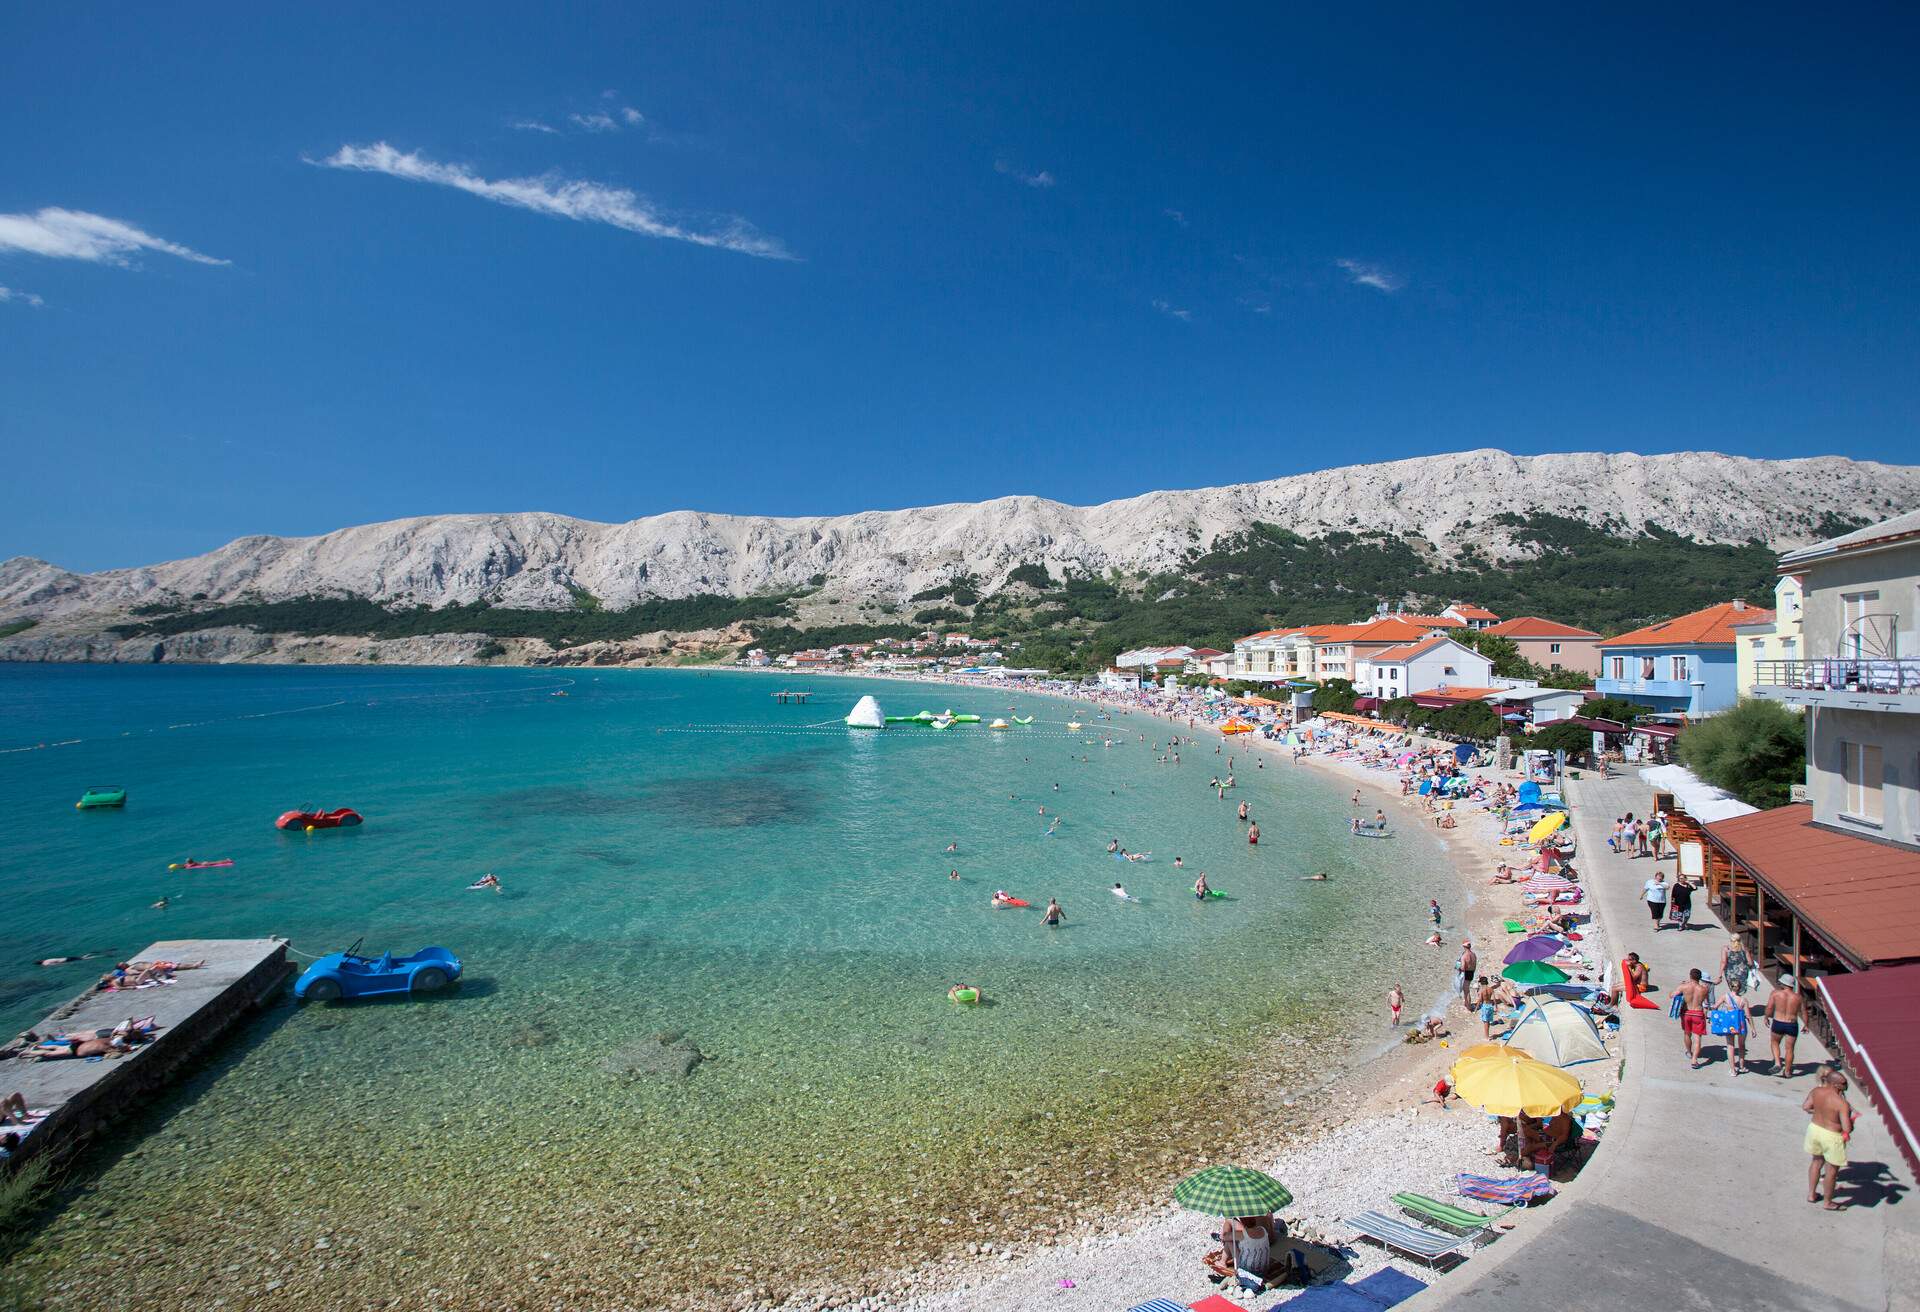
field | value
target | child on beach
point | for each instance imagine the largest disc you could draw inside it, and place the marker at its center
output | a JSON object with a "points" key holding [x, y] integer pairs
{"points": [[1395, 998]]}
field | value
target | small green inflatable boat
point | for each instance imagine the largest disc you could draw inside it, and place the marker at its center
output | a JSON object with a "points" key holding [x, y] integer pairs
{"points": [[95, 798]]}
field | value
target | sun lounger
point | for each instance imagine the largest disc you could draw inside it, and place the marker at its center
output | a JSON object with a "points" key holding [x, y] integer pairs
{"points": [[1431, 1211], [1508, 1193], [1430, 1246]]}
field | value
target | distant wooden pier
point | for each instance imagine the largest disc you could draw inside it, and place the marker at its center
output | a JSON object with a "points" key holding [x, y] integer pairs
{"points": [[786, 695], [82, 1097]]}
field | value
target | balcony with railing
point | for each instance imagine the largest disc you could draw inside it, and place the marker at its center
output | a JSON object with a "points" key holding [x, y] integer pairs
{"points": [[1860, 683]]}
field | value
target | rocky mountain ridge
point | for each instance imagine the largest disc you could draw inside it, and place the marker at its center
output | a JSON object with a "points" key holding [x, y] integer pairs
{"points": [[549, 561]]}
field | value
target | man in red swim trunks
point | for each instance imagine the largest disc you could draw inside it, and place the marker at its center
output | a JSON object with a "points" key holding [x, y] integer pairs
{"points": [[1693, 1014]]}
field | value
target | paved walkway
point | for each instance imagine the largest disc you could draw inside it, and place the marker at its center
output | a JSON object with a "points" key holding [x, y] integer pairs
{"points": [[1697, 1199]]}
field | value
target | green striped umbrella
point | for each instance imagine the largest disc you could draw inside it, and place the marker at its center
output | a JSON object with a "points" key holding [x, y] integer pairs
{"points": [[1231, 1191]]}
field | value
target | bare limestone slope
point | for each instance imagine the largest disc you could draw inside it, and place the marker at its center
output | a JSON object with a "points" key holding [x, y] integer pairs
{"points": [[537, 560]]}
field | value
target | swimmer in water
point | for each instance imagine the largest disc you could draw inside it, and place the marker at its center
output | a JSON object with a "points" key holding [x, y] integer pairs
{"points": [[1356, 798], [161, 905], [953, 994], [1054, 914], [1313, 879], [1200, 889], [1113, 845], [953, 874], [488, 880], [1253, 833], [1002, 898], [1178, 862], [1243, 813], [61, 961], [1139, 856], [953, 846], [1120, 892]]}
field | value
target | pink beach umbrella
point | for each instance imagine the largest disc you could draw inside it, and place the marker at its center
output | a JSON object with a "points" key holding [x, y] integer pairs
{"points": [[1549, 884]]}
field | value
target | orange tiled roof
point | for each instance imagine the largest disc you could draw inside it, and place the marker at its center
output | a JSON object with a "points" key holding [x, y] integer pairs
{"points": [[1532, 626], [1460, 694], [1409, 651], [1474, 612], [1702, 627]]}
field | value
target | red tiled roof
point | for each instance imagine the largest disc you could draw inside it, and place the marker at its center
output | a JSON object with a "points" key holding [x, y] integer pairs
{"points": [[1872, 1012], [1473, 612], [1204, 654], [1862, 897], [1712, 625], [1532, 626]]}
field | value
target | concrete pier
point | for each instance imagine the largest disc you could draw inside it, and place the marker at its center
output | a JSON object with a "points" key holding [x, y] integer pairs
{"points": [[82, 1097]]}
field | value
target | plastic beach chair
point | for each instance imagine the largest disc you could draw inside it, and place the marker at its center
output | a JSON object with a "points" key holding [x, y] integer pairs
{"points": [[1429, 1246], [1445, 1216], [1509, 1193]]}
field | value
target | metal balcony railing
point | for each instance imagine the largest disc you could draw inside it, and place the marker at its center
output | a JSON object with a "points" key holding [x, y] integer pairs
{"points": [[1891, 675]]}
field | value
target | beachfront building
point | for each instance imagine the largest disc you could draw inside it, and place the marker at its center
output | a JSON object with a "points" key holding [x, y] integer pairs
{"points": [[1339, 649], [1550, 644], [1429, 663], [1210, 661], [1829, 889], [1143, 658], [1685, 665], [1777, 638], [1273, 654]]}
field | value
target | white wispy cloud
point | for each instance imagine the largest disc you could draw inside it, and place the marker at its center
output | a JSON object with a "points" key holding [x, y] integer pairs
{"points": [[1040, 179], [1173, 311], [77, 235], [598, 121], [1256, 304], [534, 125], [25, 298], [560, 198], [1363, 274]]}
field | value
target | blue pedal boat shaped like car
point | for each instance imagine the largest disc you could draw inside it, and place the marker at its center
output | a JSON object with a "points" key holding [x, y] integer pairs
{"points": [[350, 975]]}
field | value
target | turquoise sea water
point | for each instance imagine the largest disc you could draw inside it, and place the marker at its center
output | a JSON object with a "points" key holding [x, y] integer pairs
{"points": [[686, 864]]}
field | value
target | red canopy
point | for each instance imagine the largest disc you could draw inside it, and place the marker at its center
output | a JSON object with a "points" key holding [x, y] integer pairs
{"points": [[1872, 1013]]}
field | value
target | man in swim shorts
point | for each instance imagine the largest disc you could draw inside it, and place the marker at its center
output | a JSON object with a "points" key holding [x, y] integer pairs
{"points": [[1783, 1022], [1693, 1015], [1200, 887], [1053, 912], [1827, 1134]]}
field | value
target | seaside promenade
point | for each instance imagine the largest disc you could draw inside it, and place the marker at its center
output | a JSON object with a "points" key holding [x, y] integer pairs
{"points": [[1697, 1198]]}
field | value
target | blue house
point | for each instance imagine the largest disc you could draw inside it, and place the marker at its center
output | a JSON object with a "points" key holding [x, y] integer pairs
{"points": [[1687, 664]]}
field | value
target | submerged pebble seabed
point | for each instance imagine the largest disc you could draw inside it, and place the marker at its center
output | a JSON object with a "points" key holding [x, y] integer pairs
{"points": [[490, 1162]]}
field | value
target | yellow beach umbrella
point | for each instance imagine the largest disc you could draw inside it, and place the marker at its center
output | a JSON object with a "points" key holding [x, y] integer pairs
{"points": [[1546, 825], [1515, 1086], [1479, 1050]]}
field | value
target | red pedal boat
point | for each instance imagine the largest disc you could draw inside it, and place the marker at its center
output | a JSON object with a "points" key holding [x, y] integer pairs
{"points": [[340, 819]]}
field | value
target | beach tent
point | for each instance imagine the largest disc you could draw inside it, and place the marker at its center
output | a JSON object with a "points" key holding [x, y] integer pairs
{"points": [[1463, 752], [1529, 794], [1558, 1032]]}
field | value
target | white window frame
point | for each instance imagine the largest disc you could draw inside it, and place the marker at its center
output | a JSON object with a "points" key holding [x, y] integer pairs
{"points": [[1679, 668], [1863, 776], [1619, 668]]}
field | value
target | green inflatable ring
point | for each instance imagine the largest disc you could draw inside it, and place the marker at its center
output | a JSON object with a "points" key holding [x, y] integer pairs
{"points": [[964, 997]]}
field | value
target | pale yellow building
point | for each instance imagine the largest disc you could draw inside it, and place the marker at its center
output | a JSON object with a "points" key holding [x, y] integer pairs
{"points": [[1778, 639]]}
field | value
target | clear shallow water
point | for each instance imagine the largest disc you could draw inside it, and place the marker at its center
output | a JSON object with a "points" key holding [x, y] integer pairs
{"points": [[775, 892]]}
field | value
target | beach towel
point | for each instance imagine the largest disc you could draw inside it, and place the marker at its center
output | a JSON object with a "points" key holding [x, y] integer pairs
{"points": [[1158, 1305], [1521, 1189]]}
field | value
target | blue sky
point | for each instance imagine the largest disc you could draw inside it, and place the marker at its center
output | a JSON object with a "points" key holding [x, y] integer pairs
{"points": [[283, 269]]}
